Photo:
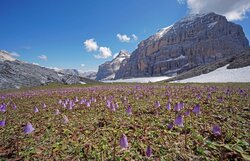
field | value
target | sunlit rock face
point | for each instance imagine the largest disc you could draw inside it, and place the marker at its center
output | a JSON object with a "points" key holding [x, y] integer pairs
{"points": [[193, 41]]}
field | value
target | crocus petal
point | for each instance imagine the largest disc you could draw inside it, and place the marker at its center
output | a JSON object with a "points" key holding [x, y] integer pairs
{"points": [[123, 141], [148, 151], [28, 128]]}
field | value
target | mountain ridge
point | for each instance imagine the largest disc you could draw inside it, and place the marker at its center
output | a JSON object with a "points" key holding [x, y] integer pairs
{"points": [[17, 74]]}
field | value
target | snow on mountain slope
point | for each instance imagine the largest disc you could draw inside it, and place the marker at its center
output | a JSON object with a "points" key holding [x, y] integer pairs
{"points": [[221, 75], [139, 80], [4, 55]]}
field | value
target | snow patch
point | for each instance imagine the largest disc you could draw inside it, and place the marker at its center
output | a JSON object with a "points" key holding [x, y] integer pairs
{"points": [[172, 59], [211, 25], [139, 80], [221, 75], [82, 82], [60, 75], [162, 32]]}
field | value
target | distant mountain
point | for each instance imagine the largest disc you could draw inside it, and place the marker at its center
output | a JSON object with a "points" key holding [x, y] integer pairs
{"points": [[107, 71], [17, 74], [89, 74], [194, 41]]}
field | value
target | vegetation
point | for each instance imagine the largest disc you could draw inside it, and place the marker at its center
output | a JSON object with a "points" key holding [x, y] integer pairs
{"points": [[126, 122]]}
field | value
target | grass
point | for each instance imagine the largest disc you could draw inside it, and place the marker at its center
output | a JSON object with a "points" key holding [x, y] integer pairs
{"points": [[93, 133]]}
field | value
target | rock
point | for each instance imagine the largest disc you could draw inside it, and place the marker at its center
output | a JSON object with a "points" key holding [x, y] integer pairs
{"points": [[193, 41], [107, 71], [17, 74]]}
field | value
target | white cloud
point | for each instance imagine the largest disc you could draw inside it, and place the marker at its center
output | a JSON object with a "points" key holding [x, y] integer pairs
{"points": [[123, 38], [115, 55], [43, 57], [90, 45], [105, 52], [82, 65], [232, 9], [134, 37], [14, 54]]}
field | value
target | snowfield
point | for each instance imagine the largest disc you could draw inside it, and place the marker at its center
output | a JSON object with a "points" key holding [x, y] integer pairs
{"points": [[139, 80], [221, 75]]}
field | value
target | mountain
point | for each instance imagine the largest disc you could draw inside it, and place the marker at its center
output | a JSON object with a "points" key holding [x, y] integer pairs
{"points": [[193, 41], [107, 71], [88, 74], [16, 74]]}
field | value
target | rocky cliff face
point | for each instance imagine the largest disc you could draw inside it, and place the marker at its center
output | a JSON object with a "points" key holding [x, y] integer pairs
{"points": [[107, 71], [193, 41], [16, 74]]}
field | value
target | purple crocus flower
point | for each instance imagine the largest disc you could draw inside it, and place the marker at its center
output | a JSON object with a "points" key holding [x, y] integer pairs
{"points": [[170, 126], [108, 103], [157, 104], [88, 103], [148, 151], [199, 96], [187, 113], [14, 106], [124, 141], [179, 121], [76, 99], [28, 128], [220, 100], [44, 105], [168, 106], [179, 106], [216, 130], [2, 123], [36, 110], [3, 107], [65, 119], [197, 109], [129, 110], [57, 112], [112, 108]]}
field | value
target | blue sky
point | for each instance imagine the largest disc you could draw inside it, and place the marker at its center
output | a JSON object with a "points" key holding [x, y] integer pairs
{"points": [[52, 32]]}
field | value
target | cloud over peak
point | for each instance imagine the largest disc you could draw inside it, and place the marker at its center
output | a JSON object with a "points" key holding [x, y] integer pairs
{"points": [[126, 38], [90, 45], [232, 9], [104, 52], [123, 38]]}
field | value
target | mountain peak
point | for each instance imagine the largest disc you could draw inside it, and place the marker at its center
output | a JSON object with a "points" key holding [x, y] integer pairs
{"points": [[107, 70], [122, 53]]}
